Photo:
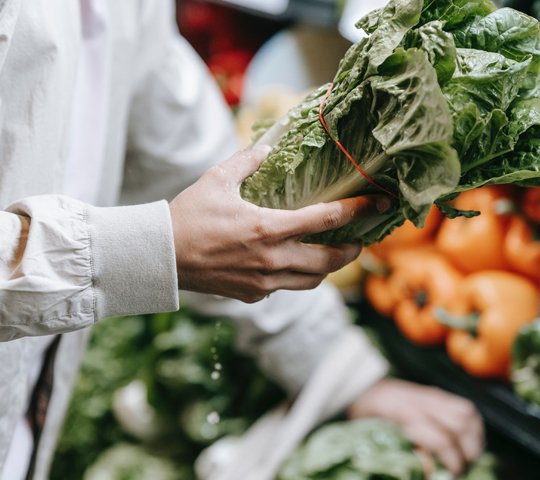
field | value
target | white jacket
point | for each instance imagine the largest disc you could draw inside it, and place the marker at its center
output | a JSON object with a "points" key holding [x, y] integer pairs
{"points": [[166, 125]]}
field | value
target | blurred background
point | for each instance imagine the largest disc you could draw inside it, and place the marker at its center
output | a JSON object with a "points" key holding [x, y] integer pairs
{"points": [[155, 391]]}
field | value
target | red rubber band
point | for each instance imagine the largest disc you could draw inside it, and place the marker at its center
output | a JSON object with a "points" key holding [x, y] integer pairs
{"points": [[344, 150]]}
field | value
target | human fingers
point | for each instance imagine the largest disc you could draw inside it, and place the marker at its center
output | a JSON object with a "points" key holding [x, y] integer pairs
{"points": [[324, 259], [460, 418], [251, 286], [329, 216], [298, 271], [242, 164], [268, 283], [466, 433], [473, 440], [436, 440], [307, 258]]}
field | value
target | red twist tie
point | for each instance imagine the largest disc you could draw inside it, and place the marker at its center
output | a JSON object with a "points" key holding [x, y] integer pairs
{"points": [[344, 150]]}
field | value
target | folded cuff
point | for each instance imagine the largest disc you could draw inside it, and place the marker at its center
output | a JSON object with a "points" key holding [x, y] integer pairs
{"points": [[369, 366], [133, 259]]}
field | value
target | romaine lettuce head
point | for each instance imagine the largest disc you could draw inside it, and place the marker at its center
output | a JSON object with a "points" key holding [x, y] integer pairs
{"points": [[441, 96]]}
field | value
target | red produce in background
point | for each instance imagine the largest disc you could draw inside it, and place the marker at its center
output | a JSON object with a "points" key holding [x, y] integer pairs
{"points": [[226, 39]]}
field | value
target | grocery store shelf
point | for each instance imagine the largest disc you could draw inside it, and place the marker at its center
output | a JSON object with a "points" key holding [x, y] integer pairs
{"points": [[502, 410]]}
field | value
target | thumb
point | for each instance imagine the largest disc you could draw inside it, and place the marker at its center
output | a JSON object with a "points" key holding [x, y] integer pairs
{"points": [[366, 205], [245, 162]]}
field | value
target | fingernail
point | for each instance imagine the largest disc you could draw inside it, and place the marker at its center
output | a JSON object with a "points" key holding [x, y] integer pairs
{"points": [[383, 204]]}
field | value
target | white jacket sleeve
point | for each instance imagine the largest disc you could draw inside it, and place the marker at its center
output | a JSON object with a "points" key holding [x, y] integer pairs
{"points": [[82, 263]]}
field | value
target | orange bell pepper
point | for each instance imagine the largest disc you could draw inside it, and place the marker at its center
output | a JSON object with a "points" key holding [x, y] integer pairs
{"points": [[487, 313], [477, 243], [419, 280], [378, 295], [522, 248]]}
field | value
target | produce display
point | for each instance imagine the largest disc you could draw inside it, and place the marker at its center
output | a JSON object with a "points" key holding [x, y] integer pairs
{"points": [[441, 288], [160, 386], [440, 97], [155, 390]]}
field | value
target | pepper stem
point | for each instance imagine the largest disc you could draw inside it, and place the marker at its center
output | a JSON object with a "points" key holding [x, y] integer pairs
{"points": [[371, 264], [469, 322], [421, 298]]}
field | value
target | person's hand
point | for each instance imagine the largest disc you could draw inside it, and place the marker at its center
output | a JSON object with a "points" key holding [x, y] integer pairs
{"points": [[230, 247], [445, 424]]}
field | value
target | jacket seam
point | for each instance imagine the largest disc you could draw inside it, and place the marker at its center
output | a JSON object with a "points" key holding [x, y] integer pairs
{"points": [[92, 267], [50, 319]]}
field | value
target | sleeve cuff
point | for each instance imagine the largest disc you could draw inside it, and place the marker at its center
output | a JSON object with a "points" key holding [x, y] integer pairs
{"points": [[133, 259], [369, 368]]}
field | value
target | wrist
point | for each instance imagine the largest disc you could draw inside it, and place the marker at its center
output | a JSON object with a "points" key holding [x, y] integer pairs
{"points": [[368, 404]]}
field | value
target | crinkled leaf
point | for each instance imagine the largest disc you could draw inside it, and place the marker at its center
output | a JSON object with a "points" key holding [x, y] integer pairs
{"points": [[336, 443], [439, 46], [486, 78], [505, 31], [520, 165], [395, 121], [395, 20], [386, 107], [395, 465], [454, 13], [480, 94]]}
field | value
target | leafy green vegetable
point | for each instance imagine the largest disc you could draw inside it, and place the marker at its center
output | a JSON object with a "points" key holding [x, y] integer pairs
{"points": [[131, 462], [526, 363], [361, 449], [441, 96], [367, 449], [115, 354], [199, 387], [177, 356]]}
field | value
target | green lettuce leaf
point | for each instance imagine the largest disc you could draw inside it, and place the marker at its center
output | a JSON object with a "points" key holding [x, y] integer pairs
{"points": [[368, 449], [439, 46], [455, 13], [390, 114], [361, 449], [441, 96], [506, 31]]}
